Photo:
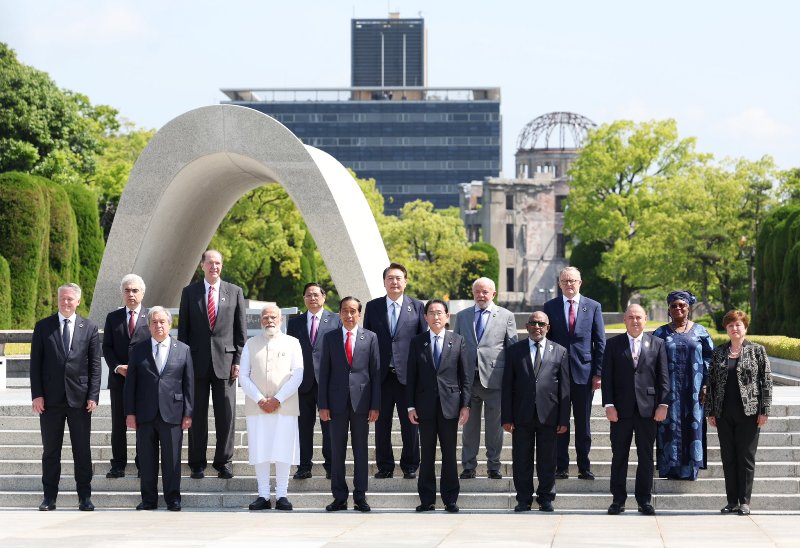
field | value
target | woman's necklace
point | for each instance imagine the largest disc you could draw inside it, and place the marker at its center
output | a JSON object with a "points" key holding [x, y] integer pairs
{"points": [[675, 327], [734, 353]]}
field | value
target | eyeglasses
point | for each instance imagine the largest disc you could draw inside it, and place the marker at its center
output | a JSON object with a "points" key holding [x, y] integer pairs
{"points": [[537, 324], [312, 295], [570, 282], [678, 305]]}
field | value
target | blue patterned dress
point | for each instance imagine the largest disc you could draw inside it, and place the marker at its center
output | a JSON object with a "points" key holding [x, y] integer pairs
{"points": [[681, 438]]}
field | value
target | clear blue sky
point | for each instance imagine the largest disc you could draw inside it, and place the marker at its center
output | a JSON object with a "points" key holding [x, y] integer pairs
{"points": [[725, 70]]}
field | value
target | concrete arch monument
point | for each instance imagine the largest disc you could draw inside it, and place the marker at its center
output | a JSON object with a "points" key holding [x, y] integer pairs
{"points": [[193, 171]]}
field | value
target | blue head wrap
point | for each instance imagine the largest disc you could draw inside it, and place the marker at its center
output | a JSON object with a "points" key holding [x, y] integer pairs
{"points": [[681, 295]]}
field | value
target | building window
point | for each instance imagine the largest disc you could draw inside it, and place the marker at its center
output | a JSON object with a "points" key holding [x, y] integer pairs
{"points": [[560, 203], [509, 236], [560, 244], [509, 279], [510, 202]]}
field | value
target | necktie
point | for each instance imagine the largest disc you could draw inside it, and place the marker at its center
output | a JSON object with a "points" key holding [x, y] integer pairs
{"points": [[571, 317], [314, 327], [481, 325], [634, 353], [212, 308], [393, 319], [158, 355], [437, 352], [537, 360], [131, 324], [65, 336], [348, 348]]}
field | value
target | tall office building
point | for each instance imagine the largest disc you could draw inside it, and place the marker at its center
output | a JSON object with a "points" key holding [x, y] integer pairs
{"points": [[388, 52]]}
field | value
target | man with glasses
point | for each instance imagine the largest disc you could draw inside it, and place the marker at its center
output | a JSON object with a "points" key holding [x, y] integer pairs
{"points": [[577, 325], [309, 328], [535, 409]]}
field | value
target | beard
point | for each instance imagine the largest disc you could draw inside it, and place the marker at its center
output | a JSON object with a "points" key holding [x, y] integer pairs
{"points": [[270, 332]]}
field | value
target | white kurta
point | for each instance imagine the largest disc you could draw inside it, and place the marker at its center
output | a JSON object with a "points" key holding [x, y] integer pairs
{"points": [[272, 437]]}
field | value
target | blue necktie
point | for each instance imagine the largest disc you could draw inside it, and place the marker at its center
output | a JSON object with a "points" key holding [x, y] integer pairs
{"points": [[393, 319], [65, 337], [481, 325], [437, 352]]}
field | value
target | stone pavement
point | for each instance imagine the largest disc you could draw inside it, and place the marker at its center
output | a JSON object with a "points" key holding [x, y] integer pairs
{"points": [[122, 528]]}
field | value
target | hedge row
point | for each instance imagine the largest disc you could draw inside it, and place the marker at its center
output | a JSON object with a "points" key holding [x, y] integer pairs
{"points": [[5, 294], [777, 346]]}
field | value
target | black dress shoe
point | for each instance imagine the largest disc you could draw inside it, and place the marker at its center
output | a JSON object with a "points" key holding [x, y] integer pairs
{"points": [[197, 473], [586, 475], [562, 474], [494, 474], [383, 474], [283, 504], [85, 505], [546, 506], [451, 507], [362, 506], [116, 473], [615, 509], [426, 508], [730, 509], [336, 505], [647, 509], [260, 504], [224, 472], [467, 474], [302, 474], [522, 507], [744, 510], [47, 505], [174, 507], [409, 475], [146, 506]]}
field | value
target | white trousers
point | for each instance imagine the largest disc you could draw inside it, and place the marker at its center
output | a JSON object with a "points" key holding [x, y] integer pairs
{"points": [[281, 479]]}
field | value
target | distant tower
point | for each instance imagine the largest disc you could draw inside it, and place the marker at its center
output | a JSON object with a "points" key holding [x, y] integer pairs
{"points": [[388, 52]]}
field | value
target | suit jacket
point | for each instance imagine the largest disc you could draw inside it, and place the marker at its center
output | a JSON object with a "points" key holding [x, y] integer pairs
{"points": [[643, 388], [489, 354], [213, 351], [312, 353], [117, 343], [586, 345], [449, 387], [169, 394], [525, 394], [65, 379], [338, 381], [753, 373], [410, 323]]}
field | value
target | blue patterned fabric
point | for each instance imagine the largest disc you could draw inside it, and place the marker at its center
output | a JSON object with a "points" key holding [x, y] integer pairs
{"points": [[681, 438]]}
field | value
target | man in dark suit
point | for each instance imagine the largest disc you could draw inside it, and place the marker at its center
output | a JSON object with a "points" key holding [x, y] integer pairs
{"points": [[309, 329], [535, 409], [349, 397], [158, 404], [576, 323], [124, 328], [438, 394], [635, 396], [213, 323], [488, 330], [395, 318], [65, 386]]}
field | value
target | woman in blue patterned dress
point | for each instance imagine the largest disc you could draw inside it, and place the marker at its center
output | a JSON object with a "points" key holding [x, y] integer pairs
{"points": [[681, 438]]}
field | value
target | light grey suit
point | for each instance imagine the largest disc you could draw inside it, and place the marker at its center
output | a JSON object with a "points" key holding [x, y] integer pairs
{"points": [[487, 358]]}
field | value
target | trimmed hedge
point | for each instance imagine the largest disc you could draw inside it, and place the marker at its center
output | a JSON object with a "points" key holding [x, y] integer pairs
{"points": [[777, 346], [24, 220], [63, 258], [5, 294], [90, 237]]}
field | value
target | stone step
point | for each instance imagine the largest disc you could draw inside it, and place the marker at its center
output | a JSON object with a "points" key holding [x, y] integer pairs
{"points": [[405, 501]]}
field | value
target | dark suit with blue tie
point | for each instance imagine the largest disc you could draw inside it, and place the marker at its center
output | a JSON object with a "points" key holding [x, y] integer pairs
{"points": [[160, 401], [349, 392]]}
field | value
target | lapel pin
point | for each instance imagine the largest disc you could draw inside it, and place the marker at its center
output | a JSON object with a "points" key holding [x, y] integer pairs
{"points": [[425, 343], [450, 344], [550, 348], [222, 299], [362, 337], [325, 320], [584, 309], [409, 308], [494, 314], [80, 325], [647, 344]]}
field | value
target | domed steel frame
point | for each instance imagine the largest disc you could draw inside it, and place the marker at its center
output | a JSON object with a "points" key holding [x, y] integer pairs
{"points": [[537, 134]]}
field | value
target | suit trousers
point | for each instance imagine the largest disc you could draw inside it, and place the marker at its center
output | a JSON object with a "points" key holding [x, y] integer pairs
{"points": [[622, 432], [738, 441], [51, 422], [581, 396], [149, 435], [393, 394], [446, 431], [306, 423], [223, 396], [525, 439], [358, 426], [488, 400], [119, 439]]}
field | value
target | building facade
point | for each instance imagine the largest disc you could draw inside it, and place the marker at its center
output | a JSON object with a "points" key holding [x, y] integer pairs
{"points": [[388, 52]]}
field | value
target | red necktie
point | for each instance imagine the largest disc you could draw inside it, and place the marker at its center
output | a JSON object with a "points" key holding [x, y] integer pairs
{"points": [[131, 324], [571, 317], [212, 308], [348, 348]]}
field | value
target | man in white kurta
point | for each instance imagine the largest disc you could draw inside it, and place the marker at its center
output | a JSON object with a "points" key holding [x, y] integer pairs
{"points": [[270, 373]]}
